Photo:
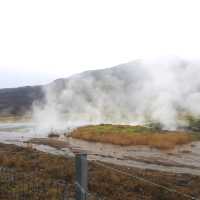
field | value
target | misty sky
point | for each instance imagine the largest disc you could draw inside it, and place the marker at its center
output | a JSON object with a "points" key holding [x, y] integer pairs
{"points": [[42, 40]]}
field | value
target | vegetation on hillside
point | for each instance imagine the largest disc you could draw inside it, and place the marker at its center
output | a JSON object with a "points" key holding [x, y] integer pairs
{"points": [[18, 101], [193, 123]]}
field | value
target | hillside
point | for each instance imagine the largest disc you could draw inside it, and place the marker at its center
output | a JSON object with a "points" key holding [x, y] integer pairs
{"points": [[19, 100]]}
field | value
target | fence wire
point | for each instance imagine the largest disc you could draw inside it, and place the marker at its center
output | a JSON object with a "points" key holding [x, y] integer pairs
{"points": [[24, 186], [171, 190]]}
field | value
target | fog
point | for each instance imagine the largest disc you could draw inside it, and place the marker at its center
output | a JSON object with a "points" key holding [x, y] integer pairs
{"points": [[138, 92]]}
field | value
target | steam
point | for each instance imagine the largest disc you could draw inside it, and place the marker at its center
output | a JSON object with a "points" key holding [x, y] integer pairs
{"points": [[132, 93]]}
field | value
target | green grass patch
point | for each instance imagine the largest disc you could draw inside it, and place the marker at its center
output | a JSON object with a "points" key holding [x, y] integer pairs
{"points": [[119, 129]]}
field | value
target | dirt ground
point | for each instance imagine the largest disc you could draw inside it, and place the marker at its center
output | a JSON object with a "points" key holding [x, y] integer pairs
{"points": [[183, 159]]}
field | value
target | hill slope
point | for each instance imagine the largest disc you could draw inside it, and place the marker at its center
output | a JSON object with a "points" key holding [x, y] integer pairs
{"points": [[19, 100]]}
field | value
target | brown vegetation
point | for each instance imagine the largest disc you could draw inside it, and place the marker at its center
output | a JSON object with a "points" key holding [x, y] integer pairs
{"points": [[103, 182], [32, 169], [49, 141], [133, 135]]}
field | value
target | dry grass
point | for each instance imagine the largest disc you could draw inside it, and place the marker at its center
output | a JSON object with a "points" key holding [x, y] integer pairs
{"points": [[106, 183], [14, 118], [48, 141], [132, 135], [39, 169]]}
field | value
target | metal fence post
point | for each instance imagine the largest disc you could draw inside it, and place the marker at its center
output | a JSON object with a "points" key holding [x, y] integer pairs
{"points": [[81, 176]]}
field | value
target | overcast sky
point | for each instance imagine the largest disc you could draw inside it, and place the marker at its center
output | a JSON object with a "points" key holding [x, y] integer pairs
{"points": [[42, 40]]}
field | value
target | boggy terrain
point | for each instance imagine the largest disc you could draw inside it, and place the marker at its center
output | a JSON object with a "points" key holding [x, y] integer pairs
{"points": [[103, 182], [132, 146]]}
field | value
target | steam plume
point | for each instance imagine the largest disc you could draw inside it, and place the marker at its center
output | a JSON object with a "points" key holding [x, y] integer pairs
{"points": [[132, 93]]}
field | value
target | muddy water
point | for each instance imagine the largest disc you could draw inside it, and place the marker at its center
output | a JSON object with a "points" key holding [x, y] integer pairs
{"points": [[184, 159], [18, 131]]}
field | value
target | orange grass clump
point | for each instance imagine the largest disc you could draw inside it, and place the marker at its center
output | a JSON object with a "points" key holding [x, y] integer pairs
{"points": [[160, 140]]}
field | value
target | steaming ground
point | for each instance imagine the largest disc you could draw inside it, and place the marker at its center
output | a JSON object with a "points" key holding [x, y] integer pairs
{"points": [[182, 159], [134, 93], [163, 91]]}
